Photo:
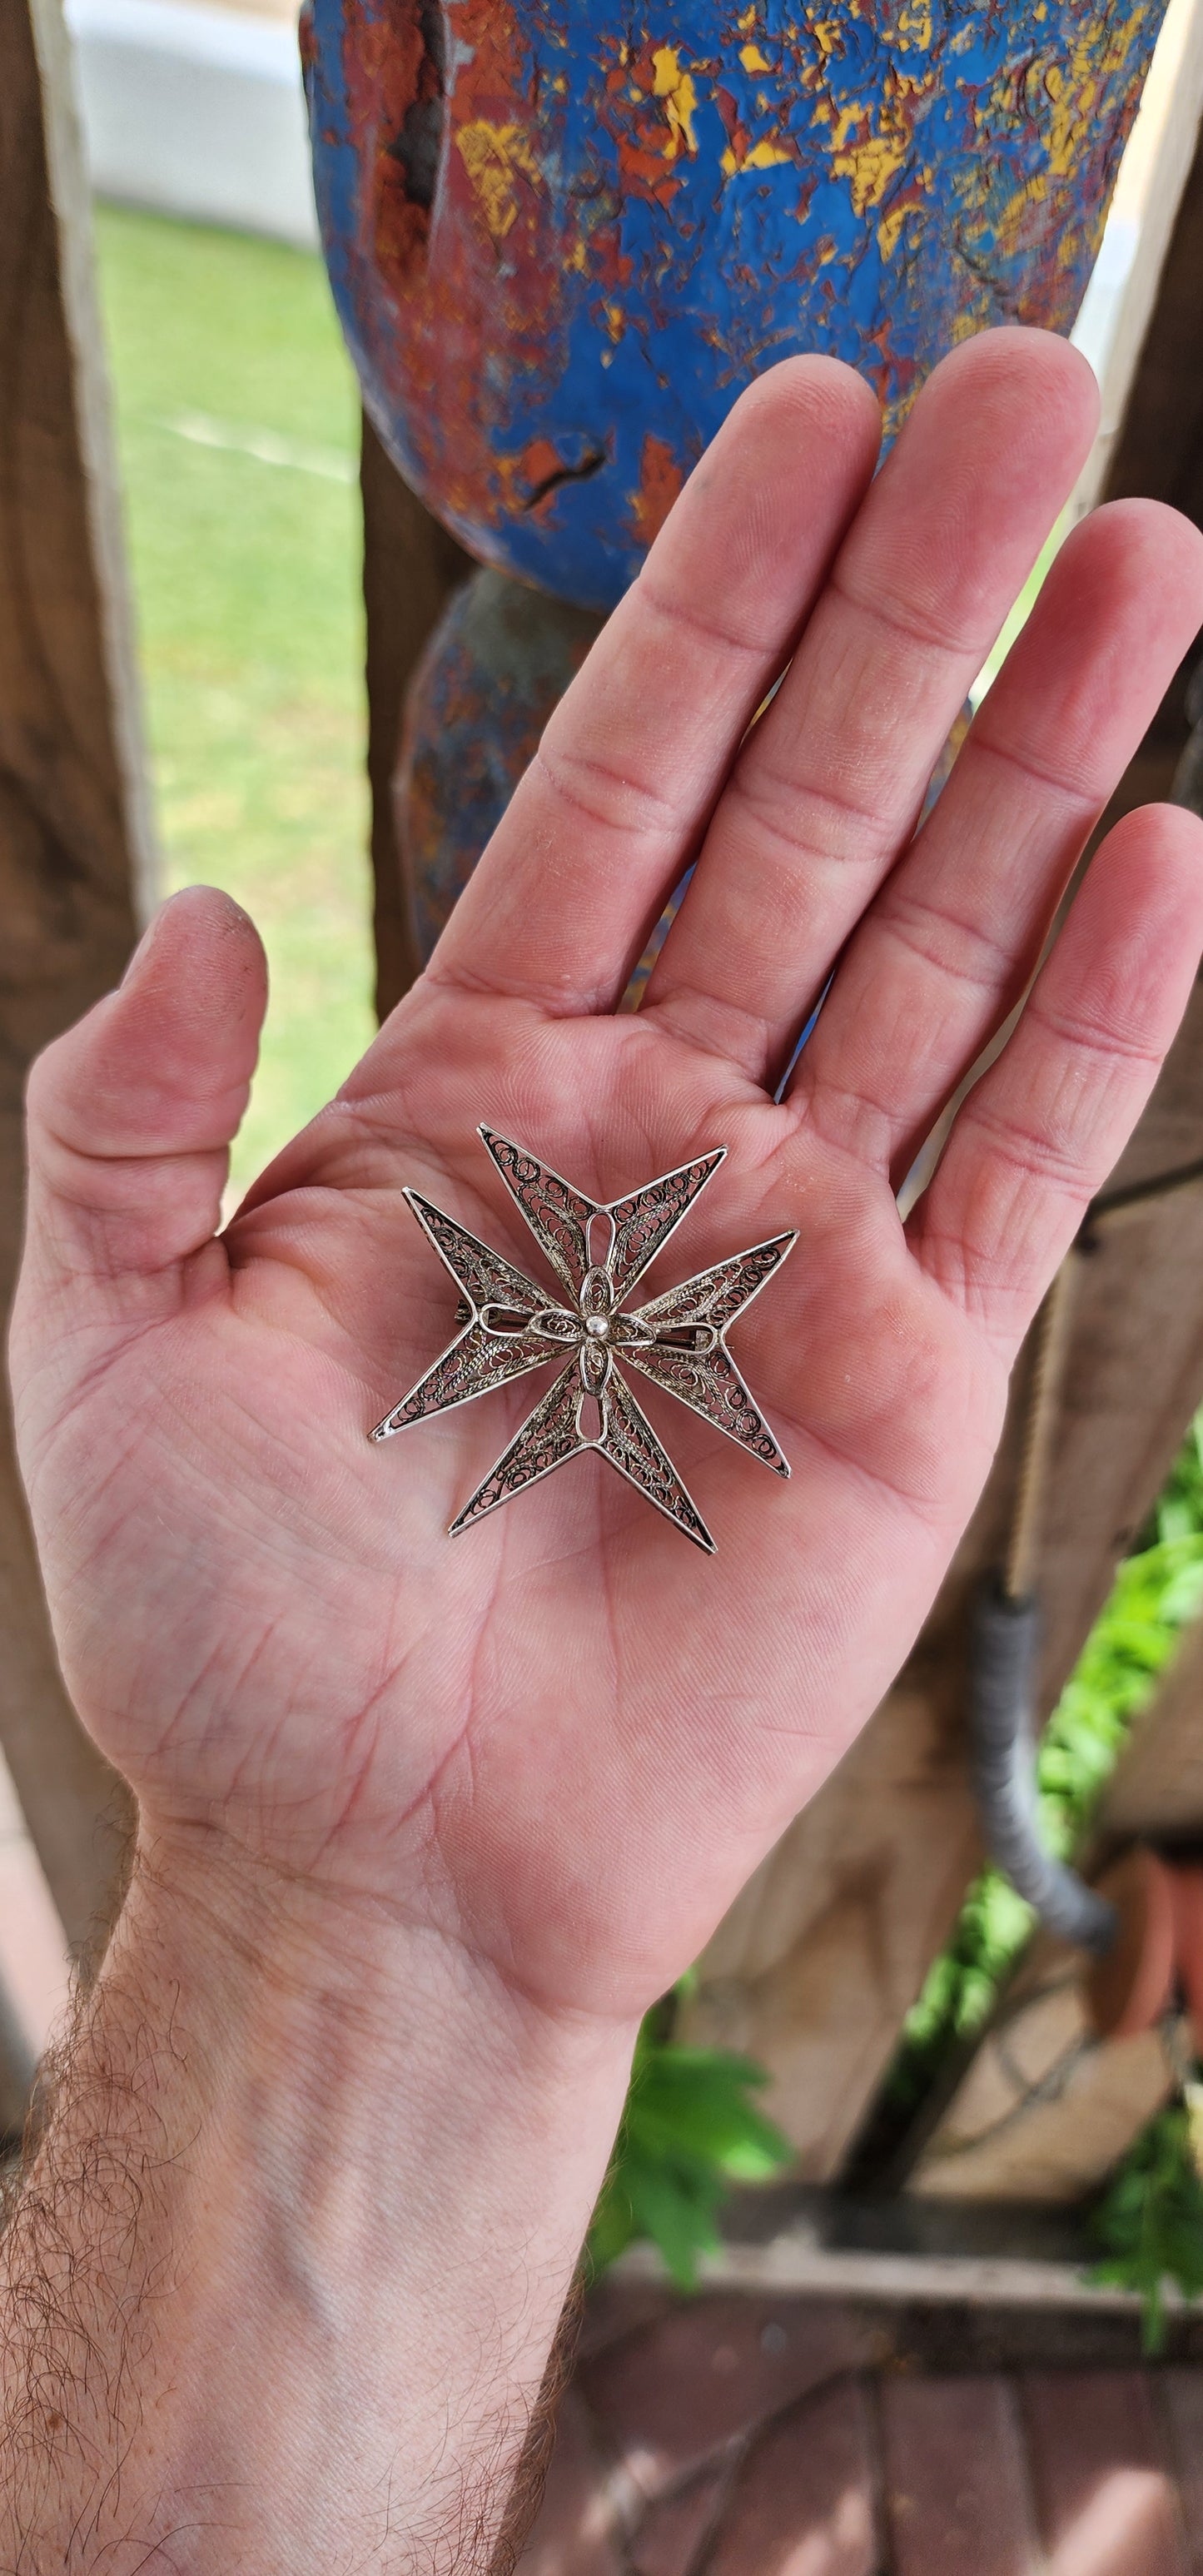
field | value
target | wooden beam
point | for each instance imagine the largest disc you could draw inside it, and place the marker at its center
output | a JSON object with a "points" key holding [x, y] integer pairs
{"points": [[410, 568], [826, 1950], [1156, 179], [75, 857], [998, 2139], [1045, 2110], [1157, 1790], [1154, 445]]}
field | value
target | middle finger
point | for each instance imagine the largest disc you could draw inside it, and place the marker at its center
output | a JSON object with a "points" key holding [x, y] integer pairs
{"points": [[829, 785]]}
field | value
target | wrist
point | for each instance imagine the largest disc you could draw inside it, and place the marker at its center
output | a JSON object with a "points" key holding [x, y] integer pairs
{"points": [[344, 2163], [293, 1974]]}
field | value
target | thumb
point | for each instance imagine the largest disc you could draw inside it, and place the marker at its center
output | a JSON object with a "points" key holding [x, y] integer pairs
{"points": [[132, 1113]]}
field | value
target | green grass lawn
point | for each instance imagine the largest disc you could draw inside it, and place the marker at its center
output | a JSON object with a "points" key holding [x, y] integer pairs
{"points": [[237, 424]]}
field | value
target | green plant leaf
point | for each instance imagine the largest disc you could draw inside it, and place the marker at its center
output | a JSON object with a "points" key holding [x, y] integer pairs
{"points": [[1149, 2221], [689, 2132]]}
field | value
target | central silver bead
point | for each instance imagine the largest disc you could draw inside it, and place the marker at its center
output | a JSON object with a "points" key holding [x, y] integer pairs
{"points": [[598, 1327]]}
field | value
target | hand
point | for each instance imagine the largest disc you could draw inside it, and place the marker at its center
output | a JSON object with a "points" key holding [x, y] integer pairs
{"points": [[565, 1737]]}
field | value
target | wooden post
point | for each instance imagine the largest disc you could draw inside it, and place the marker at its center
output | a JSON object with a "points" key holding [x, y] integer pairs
{"points": [[1062, 2147], [1045, 2110], [827, 1949], [1156, 447], [75, 865], [410, 568]]}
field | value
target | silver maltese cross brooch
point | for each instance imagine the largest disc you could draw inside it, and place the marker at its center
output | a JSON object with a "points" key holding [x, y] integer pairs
{"points": [[598, 1254]]}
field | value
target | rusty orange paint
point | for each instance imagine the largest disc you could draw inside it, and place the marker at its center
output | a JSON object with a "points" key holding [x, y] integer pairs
{"points": [[562, 221], [660, 480]]}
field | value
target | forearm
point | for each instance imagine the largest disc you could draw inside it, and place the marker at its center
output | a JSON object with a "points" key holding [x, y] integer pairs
{"points": [[285, 2272]]}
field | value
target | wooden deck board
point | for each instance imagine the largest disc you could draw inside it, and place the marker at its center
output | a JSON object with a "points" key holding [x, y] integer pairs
{"points": [[735, 2435], [1106, 2493], [806, 2501], [1179, 2395], [958, 2491]]}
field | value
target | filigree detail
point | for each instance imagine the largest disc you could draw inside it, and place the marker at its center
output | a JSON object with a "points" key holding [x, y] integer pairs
{"points": [[705, 1376], [477, 1360], [631, 1445], [548, 1436], [676, 1340], [557, 1215], [644, 1222], [717, 1296]]}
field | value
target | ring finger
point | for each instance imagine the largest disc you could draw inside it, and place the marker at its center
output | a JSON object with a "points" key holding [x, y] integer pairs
{"points": [[956, 932], [829, 785]]}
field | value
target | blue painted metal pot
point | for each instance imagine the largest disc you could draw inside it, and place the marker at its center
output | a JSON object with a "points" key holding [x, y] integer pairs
{"points": [[564, 234]]}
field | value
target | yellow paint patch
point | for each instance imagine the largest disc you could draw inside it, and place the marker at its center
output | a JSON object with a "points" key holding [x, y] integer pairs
{"points": [[746, 21], [915, 30], [870, 166], [763, 156], [1065, 89], [753, 60], [496, 158], [616, 321], [680, 98]]}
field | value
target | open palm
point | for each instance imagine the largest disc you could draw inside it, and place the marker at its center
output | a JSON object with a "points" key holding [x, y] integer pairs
{"points": [[567, 1735]]}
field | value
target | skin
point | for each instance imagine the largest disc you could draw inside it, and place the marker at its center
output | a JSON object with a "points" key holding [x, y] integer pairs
{"points": [[426, 1824]]}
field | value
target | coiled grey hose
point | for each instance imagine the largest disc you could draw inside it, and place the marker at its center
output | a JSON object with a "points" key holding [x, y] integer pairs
{"points": [[1006, 1621], [1004, 1639]]}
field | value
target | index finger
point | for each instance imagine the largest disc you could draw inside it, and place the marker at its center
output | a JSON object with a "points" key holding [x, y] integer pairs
{"points": [[613, 807]]}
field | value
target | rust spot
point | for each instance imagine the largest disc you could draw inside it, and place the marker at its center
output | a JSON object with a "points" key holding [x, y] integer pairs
{"points": [[589, 465], [660, 480], [412, 118], [540, 471], [418, 145]]}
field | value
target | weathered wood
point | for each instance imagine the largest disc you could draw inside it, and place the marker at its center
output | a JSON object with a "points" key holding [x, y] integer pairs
{"points": [[1159, 448], [933, 2434], [1133, 1378], [958, 2499], [410, 568], [1181, 2404], [498, 663], [1062, 2149], [1045, 2111], [1157, 1791], [826, 1949], [1103, 2479], [999, 2140], [75, 863], [1161, 156], [804, 2495]]}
